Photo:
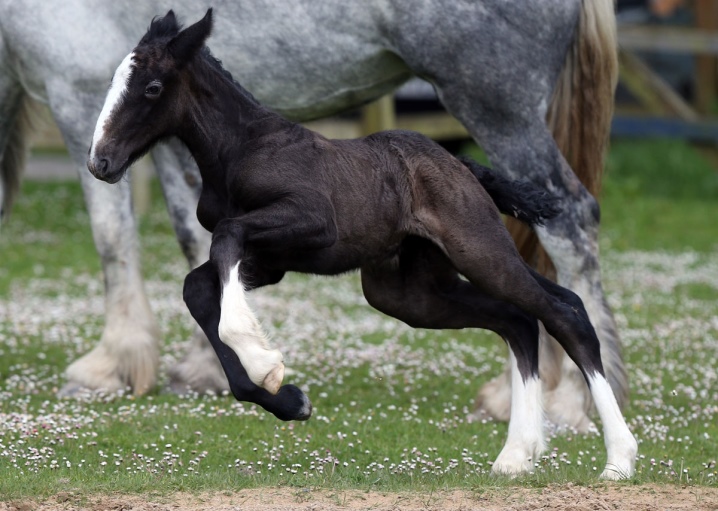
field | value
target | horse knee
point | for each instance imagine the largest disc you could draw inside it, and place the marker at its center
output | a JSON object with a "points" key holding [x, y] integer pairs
{"points": [[572, 328], [200, 289], [382, 300], [397, 304]]}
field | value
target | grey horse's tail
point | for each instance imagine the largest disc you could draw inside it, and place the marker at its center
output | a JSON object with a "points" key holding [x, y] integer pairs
{"points": [[15, 152], [519, 199]]}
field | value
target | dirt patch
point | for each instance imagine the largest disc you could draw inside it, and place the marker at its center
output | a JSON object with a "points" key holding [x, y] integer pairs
{"points": [[554, 498]]}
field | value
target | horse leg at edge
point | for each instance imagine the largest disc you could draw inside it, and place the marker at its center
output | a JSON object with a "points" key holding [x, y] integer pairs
{"points": [[14, 134], [203, 295], [128, 352], [199, 368]]}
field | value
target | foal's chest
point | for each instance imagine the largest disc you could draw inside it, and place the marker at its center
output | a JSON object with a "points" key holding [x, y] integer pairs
{"points": [[212, 208]]}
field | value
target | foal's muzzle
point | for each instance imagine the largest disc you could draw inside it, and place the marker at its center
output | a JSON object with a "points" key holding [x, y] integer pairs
{"points": [[100, 168]]}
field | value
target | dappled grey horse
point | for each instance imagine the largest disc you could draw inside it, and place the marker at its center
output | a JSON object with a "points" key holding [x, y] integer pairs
{"points": [[496, 66]]}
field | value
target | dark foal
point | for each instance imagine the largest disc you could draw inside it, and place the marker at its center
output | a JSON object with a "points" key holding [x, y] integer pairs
{"points": [[414, 219]]}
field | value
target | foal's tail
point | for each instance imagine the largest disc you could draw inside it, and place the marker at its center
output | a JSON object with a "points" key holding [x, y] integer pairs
{"points": [[519, 199], [14, 153], [580, 112]]}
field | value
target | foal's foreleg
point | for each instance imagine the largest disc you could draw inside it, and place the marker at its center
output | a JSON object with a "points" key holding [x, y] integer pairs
{"points": [[280, 228], [238, 327], [202, 294]]}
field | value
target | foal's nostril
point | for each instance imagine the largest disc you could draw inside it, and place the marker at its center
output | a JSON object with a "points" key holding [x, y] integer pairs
{"points": [[98, 167]]}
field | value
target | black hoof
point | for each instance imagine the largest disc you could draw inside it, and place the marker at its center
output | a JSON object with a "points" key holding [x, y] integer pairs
{"points": [[291, 404]]}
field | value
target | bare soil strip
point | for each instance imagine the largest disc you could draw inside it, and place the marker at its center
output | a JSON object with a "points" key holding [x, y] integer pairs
{"points": [[554, 498]]}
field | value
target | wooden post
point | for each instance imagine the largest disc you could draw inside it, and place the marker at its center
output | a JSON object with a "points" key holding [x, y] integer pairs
{"points": [[140, 174], [379, 115], [651, 90], [706, 13]]}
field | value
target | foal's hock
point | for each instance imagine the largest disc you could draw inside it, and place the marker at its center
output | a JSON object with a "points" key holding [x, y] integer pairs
{"points": [[412, 218]]}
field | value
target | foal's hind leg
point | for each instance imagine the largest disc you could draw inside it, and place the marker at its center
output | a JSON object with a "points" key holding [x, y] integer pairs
{"points": [[494, 398], [620, 443], [480, 248], [424, 290], [517, 141], [509, 68], [563, 315]]}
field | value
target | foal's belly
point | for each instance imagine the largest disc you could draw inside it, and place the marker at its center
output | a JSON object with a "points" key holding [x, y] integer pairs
{"points": [[339, 258]]}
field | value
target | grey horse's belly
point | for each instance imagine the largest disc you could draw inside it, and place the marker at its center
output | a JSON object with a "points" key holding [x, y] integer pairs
{"points": [[306, 88]]}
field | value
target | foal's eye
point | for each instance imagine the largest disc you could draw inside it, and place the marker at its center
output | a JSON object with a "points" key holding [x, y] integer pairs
{"points": [[153, 89]]}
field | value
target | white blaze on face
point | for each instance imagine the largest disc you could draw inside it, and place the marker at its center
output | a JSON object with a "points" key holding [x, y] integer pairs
{"points": [[118, 87]]}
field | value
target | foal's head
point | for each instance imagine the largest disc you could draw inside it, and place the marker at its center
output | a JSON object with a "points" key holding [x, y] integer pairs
{"points": [[145, 100]]}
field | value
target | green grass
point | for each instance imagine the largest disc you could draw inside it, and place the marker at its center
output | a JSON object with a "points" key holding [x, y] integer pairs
{"points": [[659, 195], [390, 402]]}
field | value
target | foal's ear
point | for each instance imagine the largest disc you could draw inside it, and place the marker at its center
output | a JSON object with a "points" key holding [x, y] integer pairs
{"points": [[187, 43], [170, 17], [160, 27]]}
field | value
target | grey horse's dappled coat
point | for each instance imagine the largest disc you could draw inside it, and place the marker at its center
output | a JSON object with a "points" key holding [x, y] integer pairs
{"points": [[499, 66]]}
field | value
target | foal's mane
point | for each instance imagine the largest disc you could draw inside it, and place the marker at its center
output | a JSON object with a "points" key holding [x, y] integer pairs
{"points": [[161, 27], [217, 64]]}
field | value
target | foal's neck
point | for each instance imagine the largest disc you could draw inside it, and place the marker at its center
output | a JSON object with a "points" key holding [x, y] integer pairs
{"points": [[221, 118]]}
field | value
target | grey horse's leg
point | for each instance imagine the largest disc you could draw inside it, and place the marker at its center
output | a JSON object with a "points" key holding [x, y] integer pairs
{"points": [[502, 98], [12, 143], [571, 240], [127, 354], [199, 369]]}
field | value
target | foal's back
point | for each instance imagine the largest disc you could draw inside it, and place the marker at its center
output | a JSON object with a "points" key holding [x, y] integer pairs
{"points": [[379, 190]]}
